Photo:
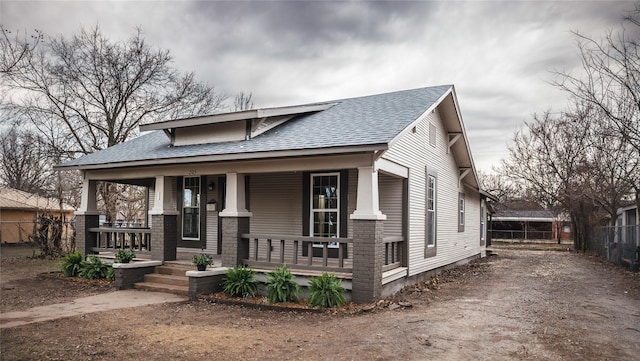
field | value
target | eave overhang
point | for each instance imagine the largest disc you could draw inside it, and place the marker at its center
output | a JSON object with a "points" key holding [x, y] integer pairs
{"points": [[367, 148]]}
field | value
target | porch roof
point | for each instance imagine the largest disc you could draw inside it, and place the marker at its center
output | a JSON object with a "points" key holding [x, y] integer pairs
{"points": [[366, 123]]}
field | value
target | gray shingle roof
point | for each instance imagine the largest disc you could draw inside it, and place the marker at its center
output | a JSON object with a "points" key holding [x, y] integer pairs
{"points": [[369, 120]]}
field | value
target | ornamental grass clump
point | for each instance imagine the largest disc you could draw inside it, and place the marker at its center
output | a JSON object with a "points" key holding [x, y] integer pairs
{"points": [[281, 287], [326, 291], [72, 264], [240, 282], [94, 269]]}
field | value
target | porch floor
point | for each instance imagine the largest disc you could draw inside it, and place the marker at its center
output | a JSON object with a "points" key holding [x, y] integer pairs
{"points": [[182, 258]]}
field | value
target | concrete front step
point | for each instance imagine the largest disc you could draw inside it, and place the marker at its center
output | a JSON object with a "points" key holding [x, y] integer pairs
{"points": [[176, 270], [160, 287], [170, 278], [166, 279]]}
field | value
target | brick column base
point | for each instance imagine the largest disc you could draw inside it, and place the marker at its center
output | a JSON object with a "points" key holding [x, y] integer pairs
{"points": [[234, 249], [368, 253], [84, 239], [164, 237]]}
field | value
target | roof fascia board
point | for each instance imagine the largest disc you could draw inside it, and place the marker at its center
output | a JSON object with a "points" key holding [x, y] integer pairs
{"points": [[250, 166], [420, 118], [234, 156], [464, 133], [241, 115]]}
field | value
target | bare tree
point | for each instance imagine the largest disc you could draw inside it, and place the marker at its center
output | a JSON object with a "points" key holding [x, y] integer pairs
{"points": [[26, 162], [502, 187], [610, 84], [549, 158], [243, 101], [613, 161], [85, 93], [14, 49], [97, 92]]}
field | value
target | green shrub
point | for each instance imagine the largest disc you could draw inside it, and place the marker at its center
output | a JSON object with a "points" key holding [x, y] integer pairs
{"points": [[280, 286], [111, 273], [125, 256], [240, 282], [326, 291], [71, 264], [93, 269]]}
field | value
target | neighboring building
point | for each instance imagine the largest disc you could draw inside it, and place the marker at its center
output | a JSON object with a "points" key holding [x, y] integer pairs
{"points": [[626, 245], [19, 212], [528, 224], [379, 189]]}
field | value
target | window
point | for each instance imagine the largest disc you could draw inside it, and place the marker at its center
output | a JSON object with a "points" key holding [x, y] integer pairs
{"points": [[431, 215], [483, 222], [191, 208], [460, 212], [325, 205]]}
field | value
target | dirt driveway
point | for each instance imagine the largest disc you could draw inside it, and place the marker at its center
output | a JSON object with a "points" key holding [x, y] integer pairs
{"points": [[520, 305]]}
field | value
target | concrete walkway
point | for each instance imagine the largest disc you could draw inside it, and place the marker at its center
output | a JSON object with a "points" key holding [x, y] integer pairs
{"points": [[102, 302]]}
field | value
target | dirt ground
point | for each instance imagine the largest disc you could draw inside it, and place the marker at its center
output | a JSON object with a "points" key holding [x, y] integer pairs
{"points": [[517, 304]]}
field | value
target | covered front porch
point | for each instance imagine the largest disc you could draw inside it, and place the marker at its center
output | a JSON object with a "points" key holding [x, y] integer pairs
{"points": [[349, 222]]}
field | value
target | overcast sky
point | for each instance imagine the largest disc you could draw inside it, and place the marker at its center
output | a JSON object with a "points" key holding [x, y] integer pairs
{"points": [[497, 54]]}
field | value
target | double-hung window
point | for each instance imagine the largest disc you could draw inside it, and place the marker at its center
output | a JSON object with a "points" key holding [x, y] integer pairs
{"points": [[430, 214], [483, 221], [461, 212]]}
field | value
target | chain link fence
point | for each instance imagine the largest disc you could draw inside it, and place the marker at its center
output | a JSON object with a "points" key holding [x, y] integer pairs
{"points": [[618, 244]]}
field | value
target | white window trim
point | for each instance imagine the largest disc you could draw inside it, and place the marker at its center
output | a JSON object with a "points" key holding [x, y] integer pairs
{"points": [[314, 210], [184, 179]]}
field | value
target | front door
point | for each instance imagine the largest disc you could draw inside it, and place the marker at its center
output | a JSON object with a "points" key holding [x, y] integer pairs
{"points": [[192, 201]]}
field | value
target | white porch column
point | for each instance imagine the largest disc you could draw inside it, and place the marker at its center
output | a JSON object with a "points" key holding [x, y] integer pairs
{"points": [[88, 204], [235, 197], [367, 205], [163, 197]]}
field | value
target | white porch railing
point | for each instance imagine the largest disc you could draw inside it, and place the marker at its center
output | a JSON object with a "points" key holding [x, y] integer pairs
{"points": [[107, 238]]}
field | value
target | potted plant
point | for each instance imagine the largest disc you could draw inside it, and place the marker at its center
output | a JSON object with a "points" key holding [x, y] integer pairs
{"points": [[124, 256], [201, 261]]}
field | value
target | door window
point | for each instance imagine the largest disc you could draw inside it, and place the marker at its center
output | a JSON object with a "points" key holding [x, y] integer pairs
{"points": [[191, 208]]}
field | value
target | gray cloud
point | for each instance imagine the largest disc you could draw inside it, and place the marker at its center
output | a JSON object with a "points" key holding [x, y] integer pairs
{"points": [[498, 54]]}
